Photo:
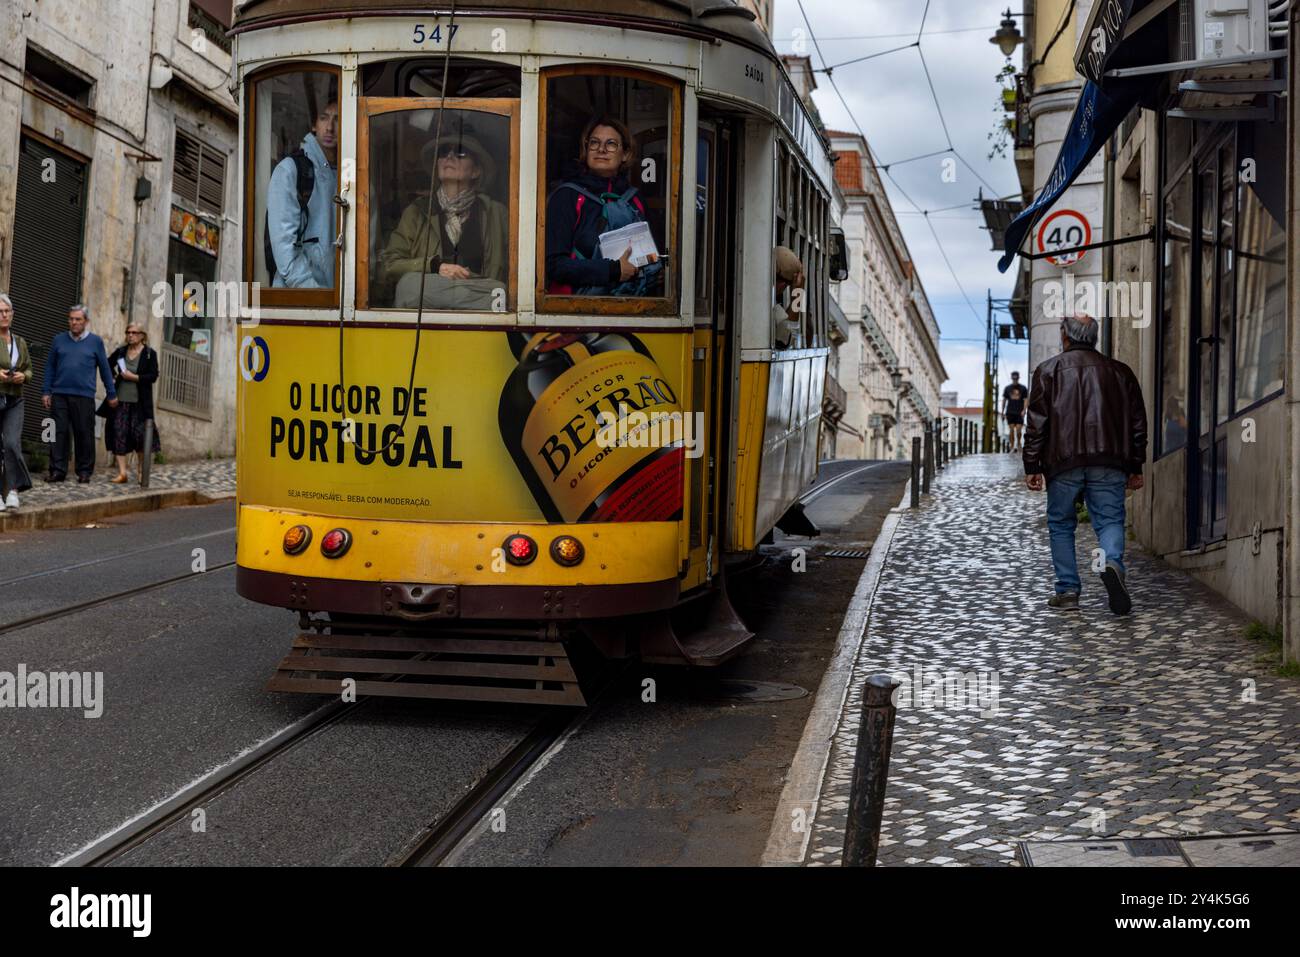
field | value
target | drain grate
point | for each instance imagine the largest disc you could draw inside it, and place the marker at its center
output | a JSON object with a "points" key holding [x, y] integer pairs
{"points": [[847, 553]]}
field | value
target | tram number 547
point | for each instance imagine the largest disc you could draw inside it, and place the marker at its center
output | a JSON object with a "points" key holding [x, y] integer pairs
{"points": [[434, 35]]}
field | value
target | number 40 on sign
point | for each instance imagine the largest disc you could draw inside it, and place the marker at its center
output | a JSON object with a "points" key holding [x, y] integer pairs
{"points": [[1064, 229]]}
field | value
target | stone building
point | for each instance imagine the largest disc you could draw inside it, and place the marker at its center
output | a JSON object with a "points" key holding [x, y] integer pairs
{"points": [[1195, 165], [118, 133], [893, 336]]}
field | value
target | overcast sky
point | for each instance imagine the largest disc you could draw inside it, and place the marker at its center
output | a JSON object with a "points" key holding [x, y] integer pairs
{"points": [[891, 101]]}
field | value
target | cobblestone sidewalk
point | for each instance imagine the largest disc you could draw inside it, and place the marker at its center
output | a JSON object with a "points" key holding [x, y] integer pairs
{"points": [[214, 477], [1162, 723]]}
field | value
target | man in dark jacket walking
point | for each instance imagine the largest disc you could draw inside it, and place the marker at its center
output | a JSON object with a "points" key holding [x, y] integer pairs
{"points": [[1086, 433]]}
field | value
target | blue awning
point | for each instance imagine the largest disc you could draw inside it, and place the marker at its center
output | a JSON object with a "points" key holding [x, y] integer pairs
{"points": [[1096, 116]]}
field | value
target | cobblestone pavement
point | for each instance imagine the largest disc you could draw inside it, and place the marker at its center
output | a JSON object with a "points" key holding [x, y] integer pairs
{"points": [[1162, 723], [210, 476]]}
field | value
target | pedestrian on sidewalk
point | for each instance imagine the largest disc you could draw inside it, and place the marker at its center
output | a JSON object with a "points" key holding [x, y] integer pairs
{"points": [[1087, 432], [1014, 398], [74, 358], [135, 366], [15, 370]]}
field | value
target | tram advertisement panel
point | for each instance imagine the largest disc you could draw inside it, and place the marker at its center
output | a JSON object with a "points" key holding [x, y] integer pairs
{"points": [[500, 426]]}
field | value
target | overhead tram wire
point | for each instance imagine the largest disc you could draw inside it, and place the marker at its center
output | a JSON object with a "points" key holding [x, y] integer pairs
{"points": [[428, 217], [895, 36], [925, 213], [953, 272]]}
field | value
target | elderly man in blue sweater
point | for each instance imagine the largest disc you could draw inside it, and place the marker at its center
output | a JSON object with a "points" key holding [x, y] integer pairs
{"points": [[75, 355]]}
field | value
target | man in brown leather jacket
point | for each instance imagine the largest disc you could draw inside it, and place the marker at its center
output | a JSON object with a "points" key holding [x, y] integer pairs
{"points": [[1086, 432]]}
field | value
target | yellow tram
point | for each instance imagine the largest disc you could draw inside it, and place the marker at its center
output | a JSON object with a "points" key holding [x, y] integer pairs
{"points": [[470, 428]]}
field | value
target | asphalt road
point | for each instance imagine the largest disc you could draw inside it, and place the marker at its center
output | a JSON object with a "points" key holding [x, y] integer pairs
{"points": [[690, 777]]}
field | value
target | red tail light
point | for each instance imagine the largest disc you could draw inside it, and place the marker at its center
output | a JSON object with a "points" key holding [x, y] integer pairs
{"points": [[519, 549], [335, 543]]}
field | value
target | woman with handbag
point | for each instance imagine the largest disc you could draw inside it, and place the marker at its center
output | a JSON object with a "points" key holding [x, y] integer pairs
{"points": [[15, 370], [135, 369]]}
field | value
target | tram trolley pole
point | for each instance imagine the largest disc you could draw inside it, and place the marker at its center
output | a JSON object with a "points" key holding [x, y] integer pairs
{"points": [[916, 471], [870, 772]]}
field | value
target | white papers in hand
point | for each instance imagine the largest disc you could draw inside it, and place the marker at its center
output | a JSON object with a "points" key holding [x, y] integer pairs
{"points": [[637, 235]]}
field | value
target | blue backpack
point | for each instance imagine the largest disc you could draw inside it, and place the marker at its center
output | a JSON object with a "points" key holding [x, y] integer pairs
{"points": [[618, 211]]}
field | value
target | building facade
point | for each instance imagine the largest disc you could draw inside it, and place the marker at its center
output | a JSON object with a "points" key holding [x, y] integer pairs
{"points": [[893, 341], [117, 176], [1198, 293]]}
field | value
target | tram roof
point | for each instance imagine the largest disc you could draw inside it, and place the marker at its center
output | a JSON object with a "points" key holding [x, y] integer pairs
{"points": [[724, 19]]}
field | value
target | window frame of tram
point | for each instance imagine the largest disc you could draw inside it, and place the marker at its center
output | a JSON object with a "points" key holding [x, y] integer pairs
{"points": [[670, 242], [484, 296], [256, 187], [1201, 328], [801, 224]]}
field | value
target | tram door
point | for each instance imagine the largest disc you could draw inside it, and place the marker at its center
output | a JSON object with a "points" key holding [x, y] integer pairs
{"points": [[714, 199]]}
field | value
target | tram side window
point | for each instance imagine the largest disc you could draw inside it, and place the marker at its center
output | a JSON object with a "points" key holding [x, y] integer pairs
{"points": [[440, 221], [611, 164], [293, 167]]}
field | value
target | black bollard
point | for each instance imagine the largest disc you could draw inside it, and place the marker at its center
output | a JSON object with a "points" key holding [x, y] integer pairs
{"points": [[927, 474], [146, 453], [916, 471], [870, 772]]}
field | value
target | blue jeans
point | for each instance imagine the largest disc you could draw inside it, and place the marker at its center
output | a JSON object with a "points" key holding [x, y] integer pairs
{"points": [[1103, 494]]}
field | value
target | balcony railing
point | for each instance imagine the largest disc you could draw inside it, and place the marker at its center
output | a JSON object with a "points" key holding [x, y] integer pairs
{"points": [[835, 401], [215, 33], [878, 341]]}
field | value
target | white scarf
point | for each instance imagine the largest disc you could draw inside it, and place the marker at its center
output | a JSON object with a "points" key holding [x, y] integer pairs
{"points": [[456, 211], [13, 350]]}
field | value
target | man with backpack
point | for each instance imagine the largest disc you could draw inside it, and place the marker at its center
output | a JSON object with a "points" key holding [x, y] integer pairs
{"points": [[299, 243]]}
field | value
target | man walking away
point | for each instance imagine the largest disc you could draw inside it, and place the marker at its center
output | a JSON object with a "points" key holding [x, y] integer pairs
{"points": [[1014, 397], [74, 357], [1087, 432]]}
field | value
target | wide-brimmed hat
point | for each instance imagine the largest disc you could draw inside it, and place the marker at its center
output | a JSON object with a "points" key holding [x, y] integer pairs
{"points": [[466, 143]]}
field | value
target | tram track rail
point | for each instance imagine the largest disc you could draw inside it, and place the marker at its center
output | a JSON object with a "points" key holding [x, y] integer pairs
{"points": [[78, 607], [137, 831]]}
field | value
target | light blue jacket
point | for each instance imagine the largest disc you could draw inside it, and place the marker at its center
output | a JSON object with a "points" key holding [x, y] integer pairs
{"points": [[309, 264]]}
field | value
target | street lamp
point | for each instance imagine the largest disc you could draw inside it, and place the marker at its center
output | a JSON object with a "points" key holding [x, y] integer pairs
{"points": [[1008, 36]]}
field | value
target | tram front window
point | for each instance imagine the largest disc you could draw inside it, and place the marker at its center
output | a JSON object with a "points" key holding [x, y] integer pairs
{"points": [[294, 173], [440, 222], [611, 181]]}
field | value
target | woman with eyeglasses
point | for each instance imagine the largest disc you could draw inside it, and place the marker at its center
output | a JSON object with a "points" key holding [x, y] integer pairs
{"points": [[15, 370], [464, 249], [135, 369], [599, 199]]}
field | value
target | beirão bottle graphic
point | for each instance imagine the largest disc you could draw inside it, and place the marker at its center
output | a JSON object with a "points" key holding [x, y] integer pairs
{"points": [[557, 415]]}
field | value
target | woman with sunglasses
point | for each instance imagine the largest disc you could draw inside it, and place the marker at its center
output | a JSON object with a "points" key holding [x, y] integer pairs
{"points": [[598, 199], [15, 370], [135, 368], [464, 248]]}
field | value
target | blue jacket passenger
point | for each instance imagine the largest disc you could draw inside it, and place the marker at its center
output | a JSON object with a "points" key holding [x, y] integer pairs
{"points": [[308, 262]]}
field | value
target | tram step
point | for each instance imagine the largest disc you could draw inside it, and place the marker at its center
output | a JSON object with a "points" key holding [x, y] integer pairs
{"points": [[464, 668]]}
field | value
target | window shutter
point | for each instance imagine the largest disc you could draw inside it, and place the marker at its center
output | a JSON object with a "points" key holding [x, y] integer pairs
{"points": [[199, 175]]}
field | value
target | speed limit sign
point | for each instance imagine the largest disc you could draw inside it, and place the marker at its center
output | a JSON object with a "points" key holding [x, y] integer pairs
{"points": [[1064, 229]]}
